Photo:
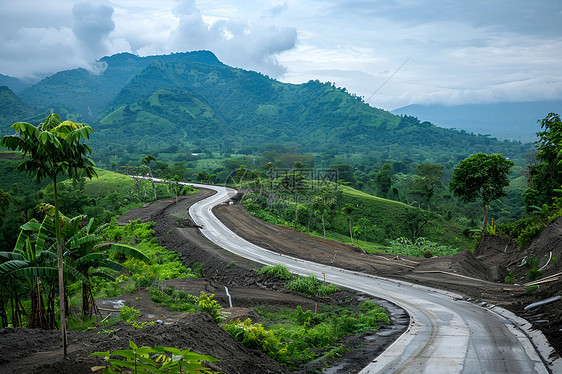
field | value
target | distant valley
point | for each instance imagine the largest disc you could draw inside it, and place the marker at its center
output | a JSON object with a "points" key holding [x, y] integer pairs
{"points": [[511, 121]]}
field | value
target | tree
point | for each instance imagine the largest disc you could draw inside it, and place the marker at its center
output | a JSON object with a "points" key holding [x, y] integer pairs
{"points": [[53, 148], [175, 186], [5, 202], [546, 176], [89, 256], [147, 160], [427, 182], [414, 220], [321, 206], [348, 209], [383, 180], [481, 176]]}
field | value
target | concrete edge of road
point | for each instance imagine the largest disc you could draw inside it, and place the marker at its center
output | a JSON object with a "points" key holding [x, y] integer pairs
{"points": [[536, 337], [539, 343]]}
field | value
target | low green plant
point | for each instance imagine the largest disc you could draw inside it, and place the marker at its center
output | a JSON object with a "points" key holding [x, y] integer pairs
{"points": [[533, 272], [153, 360], [311, 286], [277, 271], [530, 289], [299, 336], [336, 352], [209, 305], [509, 278], [176, 300], [128, 314], [231, 263], [421, 247], [255, 336]]}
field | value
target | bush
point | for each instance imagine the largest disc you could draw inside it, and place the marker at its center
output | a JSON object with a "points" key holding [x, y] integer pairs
{"points": [[277, 271], [153, 360], [311, 286], [255, 336], [128, 314], [209, 305]]}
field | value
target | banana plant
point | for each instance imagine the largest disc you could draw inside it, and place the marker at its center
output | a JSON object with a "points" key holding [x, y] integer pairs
{"points": [[34, 264], [88, 254]]}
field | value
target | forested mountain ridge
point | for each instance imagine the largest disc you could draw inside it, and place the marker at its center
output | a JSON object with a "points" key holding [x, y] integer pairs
{"points": [[173, 103], [13, 109], [88, 93]]}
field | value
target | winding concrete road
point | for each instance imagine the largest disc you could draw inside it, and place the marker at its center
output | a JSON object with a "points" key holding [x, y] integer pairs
{"points": [[446, 334]]}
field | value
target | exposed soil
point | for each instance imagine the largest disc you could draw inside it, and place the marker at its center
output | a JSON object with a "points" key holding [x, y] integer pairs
{"points": [[40, 351], [479, 276]]}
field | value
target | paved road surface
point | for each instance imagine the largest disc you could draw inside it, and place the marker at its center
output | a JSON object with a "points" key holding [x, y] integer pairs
{"points": [[446, 334]]}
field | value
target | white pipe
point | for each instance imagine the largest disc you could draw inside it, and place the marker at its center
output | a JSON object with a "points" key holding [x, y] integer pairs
{"points": [[228, 294]]}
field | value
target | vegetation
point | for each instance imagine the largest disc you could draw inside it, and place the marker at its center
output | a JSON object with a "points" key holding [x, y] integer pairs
{"points": [[545, 173], [295, 336], [311, 286], [481, 177], [277, 271], [152, 360], [52, 148]]}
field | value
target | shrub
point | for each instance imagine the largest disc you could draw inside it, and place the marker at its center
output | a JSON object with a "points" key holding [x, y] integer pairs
{"points": [[277, 271], [533, 271], [153, 360], [128, 314], [311, 286], [209, 305], [176, 300], [255, 336]]}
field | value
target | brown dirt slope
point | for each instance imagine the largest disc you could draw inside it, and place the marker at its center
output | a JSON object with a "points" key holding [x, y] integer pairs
{"points": [[37, 351], [479, 276]]}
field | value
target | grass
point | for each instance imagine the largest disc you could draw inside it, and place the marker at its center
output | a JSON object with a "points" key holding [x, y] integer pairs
{"points": [[108, 181], [295, 336], [277, 271], [311, 286]]}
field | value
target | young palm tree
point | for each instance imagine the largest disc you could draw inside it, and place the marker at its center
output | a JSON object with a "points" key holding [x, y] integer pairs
{"points": [[147, 160], [51, 149]]}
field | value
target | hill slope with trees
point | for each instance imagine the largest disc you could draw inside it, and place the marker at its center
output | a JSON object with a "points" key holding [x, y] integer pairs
{"points": [[218, 108]]}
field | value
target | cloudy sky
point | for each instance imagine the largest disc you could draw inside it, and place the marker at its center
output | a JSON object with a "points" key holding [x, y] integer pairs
{"points": [[392, 52]]}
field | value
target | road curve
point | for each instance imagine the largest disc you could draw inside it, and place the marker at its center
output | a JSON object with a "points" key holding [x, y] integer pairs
{"points": [[446, 334]]}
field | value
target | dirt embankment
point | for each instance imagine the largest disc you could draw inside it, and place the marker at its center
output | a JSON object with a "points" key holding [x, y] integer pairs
{"points": [[479, 276], [38, 351]]}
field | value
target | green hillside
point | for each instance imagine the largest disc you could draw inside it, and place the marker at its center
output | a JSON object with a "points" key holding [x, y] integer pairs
{"points": [[390, 218], [244, 111], [87, 93], [13, 109], [106, 182]]}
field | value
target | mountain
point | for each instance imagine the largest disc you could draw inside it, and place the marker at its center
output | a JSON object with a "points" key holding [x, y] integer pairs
{"points": [[12, 83], [13, 109], [184, 102], [88, 93], [512, 121]]}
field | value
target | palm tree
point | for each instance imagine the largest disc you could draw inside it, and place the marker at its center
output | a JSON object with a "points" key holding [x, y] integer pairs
{"points": [[147, 160], [53, 148], [348, 209]]}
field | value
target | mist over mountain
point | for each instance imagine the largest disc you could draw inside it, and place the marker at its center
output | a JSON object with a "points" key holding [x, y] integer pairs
{"points": [[511, 121]]}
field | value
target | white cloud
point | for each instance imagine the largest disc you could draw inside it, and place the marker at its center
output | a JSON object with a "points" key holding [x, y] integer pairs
{"points": [[475, 51]]}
